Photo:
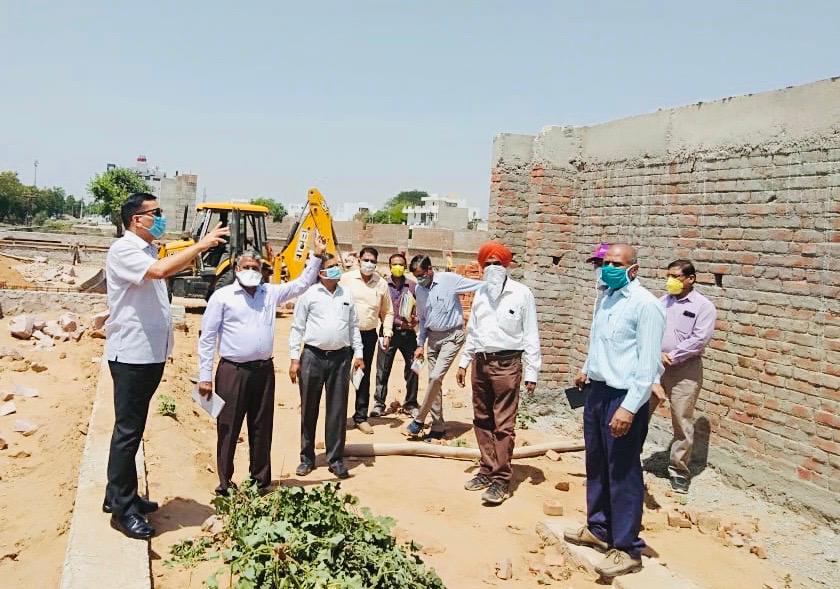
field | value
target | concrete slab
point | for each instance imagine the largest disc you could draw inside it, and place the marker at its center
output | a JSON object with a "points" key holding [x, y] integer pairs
{"points": [[98, 556], [652, 576]]}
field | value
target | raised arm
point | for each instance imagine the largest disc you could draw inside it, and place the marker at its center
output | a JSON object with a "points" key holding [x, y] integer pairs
{"points": [[464, 284], [298, 286]]}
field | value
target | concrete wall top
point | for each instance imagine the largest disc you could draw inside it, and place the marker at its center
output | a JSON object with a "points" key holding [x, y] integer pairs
{"points": [[769, 120]]}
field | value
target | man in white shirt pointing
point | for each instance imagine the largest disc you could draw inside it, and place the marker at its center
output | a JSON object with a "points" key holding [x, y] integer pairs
{"points": [[502, 339], [240, 319]]}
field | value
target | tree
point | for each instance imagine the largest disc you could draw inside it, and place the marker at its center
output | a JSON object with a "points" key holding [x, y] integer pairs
{"points": [[111, 188], [275, 209], [71, 207], [391, 211], [11, 196]]}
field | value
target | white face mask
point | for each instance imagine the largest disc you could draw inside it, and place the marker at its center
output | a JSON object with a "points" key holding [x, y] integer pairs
{"points": [[367, 267], [495, 277], [249, 278]]}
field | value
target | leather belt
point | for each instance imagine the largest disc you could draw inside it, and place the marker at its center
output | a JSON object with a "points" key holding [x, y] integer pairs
{"points": [[501, 355], [251, 364], [328, 353]]}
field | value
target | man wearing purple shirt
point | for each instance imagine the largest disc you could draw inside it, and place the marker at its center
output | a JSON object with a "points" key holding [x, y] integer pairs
{"points": [[690, 322]]}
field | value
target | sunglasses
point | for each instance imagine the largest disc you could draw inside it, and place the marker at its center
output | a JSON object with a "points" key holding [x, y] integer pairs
{"points": [[155, 212]]}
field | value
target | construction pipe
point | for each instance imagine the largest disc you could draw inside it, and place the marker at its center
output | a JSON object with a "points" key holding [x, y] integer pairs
{"points": [[437, 451]]}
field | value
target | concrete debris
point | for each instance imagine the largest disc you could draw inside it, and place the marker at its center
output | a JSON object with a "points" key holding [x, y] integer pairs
{"points": [[554, 455], [20, 454], [68, 322], [67, 279], [552, 507], [678, 520], [3, 443], [562, 485], [759, 551], [10, 353], [97, 334], [7, 408], [7, 397], [23, 391], [20, 365], [22, 327], [708, 524], [98, 321], [55, 331], [25, 427], [37, 367], [38, 322], [504, 569]]}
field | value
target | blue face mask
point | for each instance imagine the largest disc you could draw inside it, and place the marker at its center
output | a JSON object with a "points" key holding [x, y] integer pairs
{"points": [[332, 273], [158, 228], [615, 278]]}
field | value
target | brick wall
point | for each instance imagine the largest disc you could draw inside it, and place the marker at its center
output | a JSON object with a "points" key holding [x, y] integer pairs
{"points": [[749, 189]]}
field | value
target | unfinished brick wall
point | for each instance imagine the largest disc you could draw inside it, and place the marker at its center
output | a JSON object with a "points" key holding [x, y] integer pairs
{"points": [[749, 189]]}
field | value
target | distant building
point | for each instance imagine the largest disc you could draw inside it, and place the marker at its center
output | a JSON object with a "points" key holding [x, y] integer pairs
{"points": [[347, 211], [440, 212], [176, 194], [295, 210]]}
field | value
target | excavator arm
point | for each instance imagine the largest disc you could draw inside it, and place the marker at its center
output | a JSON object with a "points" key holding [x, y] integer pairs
{"points": [[289, 263]]}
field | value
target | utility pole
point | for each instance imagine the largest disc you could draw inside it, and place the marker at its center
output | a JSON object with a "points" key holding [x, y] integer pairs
{"points": [[35, 181]]}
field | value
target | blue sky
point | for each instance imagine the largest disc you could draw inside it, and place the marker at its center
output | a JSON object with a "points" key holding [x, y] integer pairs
{"points": [[364, 99]]}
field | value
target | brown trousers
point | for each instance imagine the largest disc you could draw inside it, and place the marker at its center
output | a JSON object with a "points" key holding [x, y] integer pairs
{"points": [[495, 385], [248, 391], [682, 383]]}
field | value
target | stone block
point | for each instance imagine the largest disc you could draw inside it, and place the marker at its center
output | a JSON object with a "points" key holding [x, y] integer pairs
{"points": [[68, 322], [678, 520], [707, 523], [552, 507], [25, 427], [7, 408], [562, 485], [98, 321], [22, 327]]}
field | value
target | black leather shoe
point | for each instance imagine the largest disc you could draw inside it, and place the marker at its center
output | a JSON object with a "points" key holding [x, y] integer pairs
{"points": [[133, 526], [303, 469], [143, 506], [339, 470]]}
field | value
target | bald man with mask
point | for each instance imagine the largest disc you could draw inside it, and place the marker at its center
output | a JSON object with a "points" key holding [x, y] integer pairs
{"points": [[622, 364]]}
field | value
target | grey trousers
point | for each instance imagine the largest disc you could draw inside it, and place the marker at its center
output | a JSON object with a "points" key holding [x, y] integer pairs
{"points": [[443, 348], [682, 383]]}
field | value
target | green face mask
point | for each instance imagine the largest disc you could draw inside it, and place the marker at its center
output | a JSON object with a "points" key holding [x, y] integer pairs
{"points": [[615, 278]]}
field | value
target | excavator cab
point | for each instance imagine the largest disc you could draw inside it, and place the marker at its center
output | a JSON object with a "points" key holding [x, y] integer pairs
{"points": [[215, 267]]}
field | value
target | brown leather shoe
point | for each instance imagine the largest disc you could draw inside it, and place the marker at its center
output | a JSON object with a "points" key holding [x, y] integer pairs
{"points": [[617, 562], [583, 537]]}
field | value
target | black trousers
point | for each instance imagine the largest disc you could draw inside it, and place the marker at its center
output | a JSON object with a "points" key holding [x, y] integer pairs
{"points": [[134, 386], [321, 369], [404, 341], [248, 391], [369, 343]]}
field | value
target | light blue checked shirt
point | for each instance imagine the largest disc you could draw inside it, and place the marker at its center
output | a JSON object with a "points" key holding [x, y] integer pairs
{"points": [[625, 343], [438, 307]]}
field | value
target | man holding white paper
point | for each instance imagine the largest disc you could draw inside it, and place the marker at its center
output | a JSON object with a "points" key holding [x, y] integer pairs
{"points": [[240, 319], [323, 343]]}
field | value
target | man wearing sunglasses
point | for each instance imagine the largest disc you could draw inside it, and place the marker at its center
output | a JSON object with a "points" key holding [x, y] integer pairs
{"points": [[622, 364], [139, 339]]}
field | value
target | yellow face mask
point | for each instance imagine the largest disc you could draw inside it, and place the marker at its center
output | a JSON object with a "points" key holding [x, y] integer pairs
{"points": [[397, 271], [674, 286]]}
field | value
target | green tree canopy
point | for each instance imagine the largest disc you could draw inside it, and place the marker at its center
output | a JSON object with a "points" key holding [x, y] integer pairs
{"points": [[391, 211], [275, 209], [112, 187], [12, 204]]}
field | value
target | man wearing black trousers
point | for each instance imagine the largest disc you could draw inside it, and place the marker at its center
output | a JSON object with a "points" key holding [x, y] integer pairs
{"points": [[404, 340], [323, 342], [139, 339], [240, 318]]}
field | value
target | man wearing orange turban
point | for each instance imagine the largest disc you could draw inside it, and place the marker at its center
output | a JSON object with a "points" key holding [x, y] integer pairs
{"points": [[503, 342]]}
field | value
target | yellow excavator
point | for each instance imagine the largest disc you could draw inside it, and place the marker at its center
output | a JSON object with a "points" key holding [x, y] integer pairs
{"points": [[215, 267]]}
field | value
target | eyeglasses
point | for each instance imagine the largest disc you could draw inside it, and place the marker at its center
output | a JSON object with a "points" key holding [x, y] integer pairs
{"points": [[157, 212]]}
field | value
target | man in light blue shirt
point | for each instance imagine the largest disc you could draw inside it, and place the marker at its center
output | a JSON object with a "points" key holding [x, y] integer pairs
{"points": [[441, 320], [623, 362]]}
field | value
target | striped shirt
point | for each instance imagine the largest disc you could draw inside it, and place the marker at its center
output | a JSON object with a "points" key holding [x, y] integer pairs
{"points": [[625, 343]]}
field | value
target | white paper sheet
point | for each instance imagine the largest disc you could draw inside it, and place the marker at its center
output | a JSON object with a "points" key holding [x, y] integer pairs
{"points": [[213, 405], [358, 375], [417, 365]]}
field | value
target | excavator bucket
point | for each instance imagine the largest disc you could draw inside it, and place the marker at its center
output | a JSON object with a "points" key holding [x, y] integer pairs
{"points": [[315, 218]]}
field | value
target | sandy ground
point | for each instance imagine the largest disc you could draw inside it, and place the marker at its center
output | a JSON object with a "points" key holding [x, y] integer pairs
{"points": [[37, 492], [9, 275], [462, 539]]}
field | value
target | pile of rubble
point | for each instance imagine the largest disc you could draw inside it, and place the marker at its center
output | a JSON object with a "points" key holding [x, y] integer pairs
{"points": [[40, 271], [23, 427], [67, 327]]}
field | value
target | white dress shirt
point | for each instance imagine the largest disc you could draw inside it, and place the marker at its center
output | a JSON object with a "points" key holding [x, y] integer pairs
{"points": [[325, 320], [139, 327], [625, 343], [243, 324], [508, 323]]}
